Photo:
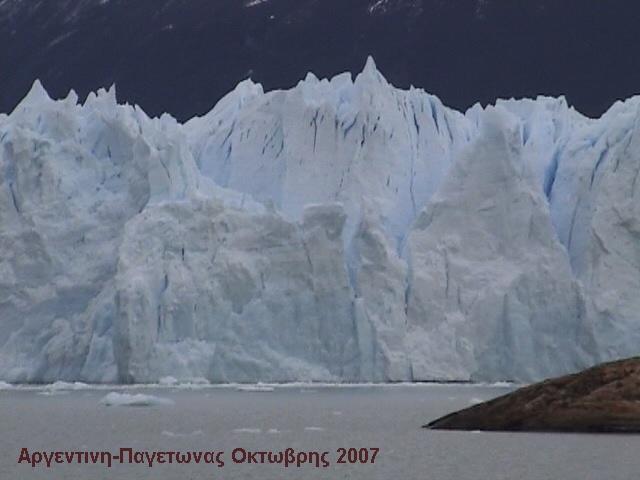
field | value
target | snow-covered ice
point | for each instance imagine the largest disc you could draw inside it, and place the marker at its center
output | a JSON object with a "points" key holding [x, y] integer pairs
{"points": [[340, 231]]}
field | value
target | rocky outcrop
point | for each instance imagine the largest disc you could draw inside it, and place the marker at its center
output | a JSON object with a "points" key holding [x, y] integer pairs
{"points": [[604, 398]]}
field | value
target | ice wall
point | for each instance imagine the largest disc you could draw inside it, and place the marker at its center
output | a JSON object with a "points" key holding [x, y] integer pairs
{"points": [[343, 230]]}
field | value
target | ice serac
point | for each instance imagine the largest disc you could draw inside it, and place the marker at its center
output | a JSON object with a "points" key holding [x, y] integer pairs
{"points": [[342, 230], [69, 183], [340, 140], [379, 278], [204, 290], [72, 177], [491, 287], [600, 223]]}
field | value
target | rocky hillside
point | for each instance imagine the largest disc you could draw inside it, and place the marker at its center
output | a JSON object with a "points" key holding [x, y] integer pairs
{"points": [[605, 398]]}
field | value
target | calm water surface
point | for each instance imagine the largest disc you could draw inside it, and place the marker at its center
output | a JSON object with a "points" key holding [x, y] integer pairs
{"points": [[306, 419]]}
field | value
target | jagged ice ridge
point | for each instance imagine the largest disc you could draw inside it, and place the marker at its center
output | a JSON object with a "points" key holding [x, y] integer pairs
{"points": [[343, 230]]}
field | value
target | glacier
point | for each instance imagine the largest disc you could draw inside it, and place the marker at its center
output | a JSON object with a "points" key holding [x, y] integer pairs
{"points": [[339, 231]]}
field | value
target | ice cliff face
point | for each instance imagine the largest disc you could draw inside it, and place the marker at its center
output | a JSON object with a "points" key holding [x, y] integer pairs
{"points": [[489, 278], [343, 230]]}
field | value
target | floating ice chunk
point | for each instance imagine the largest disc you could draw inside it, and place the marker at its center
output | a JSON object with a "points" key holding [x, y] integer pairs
{"points": [[247, 430], [258, 387], [501, 384], [168, 433], [59, 385], [313, 429], [48, 393], [133, 400]]}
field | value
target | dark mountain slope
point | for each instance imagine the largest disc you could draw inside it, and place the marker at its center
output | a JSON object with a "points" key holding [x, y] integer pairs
{"points": [[181, 56]]}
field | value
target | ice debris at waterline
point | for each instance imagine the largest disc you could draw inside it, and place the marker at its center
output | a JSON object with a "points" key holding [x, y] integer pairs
{"points": [[343, 230], [258, 387]]}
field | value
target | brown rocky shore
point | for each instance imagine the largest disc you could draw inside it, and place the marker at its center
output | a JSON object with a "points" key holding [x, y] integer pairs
{"points": [[604, 398]]}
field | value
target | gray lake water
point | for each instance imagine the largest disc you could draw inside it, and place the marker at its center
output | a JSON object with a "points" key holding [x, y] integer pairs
{"points": [[301, 418]]}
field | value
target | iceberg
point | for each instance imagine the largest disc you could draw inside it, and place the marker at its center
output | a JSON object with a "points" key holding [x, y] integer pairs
{"points": [[340, 231]]}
